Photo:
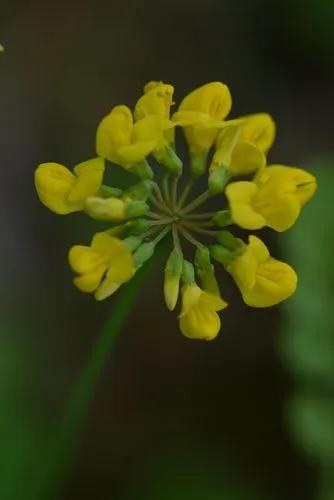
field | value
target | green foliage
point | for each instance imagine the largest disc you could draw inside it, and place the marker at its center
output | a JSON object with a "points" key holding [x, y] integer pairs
{"points": [[307, 344]]}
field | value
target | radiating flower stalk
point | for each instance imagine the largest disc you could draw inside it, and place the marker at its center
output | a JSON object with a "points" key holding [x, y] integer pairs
{"points": [[140, 216]]}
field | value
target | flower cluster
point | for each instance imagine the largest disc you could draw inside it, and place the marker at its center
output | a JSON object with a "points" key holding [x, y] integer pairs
{"points": [[153, 207]]}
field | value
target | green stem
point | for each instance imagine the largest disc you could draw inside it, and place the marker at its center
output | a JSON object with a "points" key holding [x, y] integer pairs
{"points": [[190, 238], [197, 229], [188, 187], [161, 198], [174, 191], [176, 239], [68, 436], [163, 207], [163, 220], [165, 189], [202, 198], [155, 215], [207, 215], [162, 234]]}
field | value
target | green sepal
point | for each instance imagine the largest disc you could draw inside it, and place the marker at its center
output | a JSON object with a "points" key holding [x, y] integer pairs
{"points": [[135, 209], [140, 191], [221, 254], [198, 163], [174, 264], [202, 259], [218, 179], [143, 253], [136, 227], [169, 159], [132, 242], [109, 192], [222, 218], [143, 170], [188, 273], [229, 241]]}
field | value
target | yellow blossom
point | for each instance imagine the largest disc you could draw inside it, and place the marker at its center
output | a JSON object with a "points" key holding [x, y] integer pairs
{"points": [[156, 100], [243, 143], [262, 280], [121, 141], [64, 192], [274, 198], [103, 266], [199, 318], [202, 113]]}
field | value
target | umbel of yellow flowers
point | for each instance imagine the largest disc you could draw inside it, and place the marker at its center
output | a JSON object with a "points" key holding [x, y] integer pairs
{"points": [[152, 208]]}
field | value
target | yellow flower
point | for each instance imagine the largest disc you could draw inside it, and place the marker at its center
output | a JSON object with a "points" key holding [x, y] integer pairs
{"points": [[64, 192], [202, 113], [263, 281], [198, 318], [156, 100], [106, 256], [123, 142], [273, 199], [242, 145]]}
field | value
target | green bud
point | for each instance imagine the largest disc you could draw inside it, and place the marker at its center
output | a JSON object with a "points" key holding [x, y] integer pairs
{"points": [[132, 242], [202, 259], [143, 170], [229, 241], [222, 218], [188, 273], [199, 164], [140, 191], [109, 192], [170, 160], [174, 263], [135, 209], [221, 254], [205, 271], [218, 179], [173, 271], [144, 253], [137, 227]]}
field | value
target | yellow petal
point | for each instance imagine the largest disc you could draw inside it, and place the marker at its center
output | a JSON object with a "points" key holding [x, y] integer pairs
{"points": [[113, 132], [246, 158], [120, 262], [258, 248], [259, 129], [201, 324], [302, 183], [213, 98], [89, 180], [240, 196], [134, 153], [213, 302], [156, 100], [54, 183], [106, 289], [275, 282], [190, 295], [90, 281], [83, 259]]}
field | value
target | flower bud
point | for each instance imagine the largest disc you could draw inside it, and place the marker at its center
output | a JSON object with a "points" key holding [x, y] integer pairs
{"points": [[108, 209], [173, 271]]}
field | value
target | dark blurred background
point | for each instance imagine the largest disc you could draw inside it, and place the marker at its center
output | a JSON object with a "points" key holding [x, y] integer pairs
{"points": [[170, 418]]}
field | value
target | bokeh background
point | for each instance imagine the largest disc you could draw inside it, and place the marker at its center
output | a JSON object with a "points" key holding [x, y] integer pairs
{"points": [[248, 416]]}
